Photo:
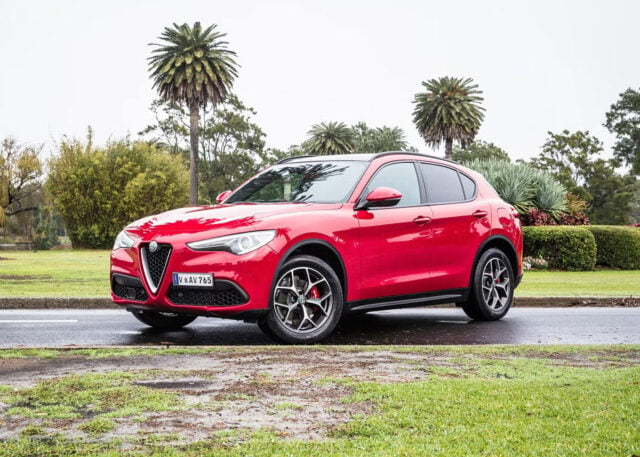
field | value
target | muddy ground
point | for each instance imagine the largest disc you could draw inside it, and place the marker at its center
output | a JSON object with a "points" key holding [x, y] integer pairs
{"points": [[297, 392]]}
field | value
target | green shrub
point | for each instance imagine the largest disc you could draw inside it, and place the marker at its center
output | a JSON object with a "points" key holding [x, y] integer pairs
{"points": [[564, 247], [100, 190], [618, 246]]}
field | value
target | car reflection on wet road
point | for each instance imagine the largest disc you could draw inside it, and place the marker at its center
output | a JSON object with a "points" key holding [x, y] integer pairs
{"points": [[420, 326]]}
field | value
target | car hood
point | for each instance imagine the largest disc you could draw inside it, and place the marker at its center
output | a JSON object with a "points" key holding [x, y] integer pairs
{"points": [[240, 217]]}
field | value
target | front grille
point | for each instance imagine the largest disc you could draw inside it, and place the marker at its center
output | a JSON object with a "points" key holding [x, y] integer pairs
{"points": [[128, 288], [155, 264], [221, 296]]}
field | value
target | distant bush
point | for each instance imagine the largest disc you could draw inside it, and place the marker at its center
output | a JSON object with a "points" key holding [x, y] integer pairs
{"points": [[564, 247], [100, 190], [617, 246], [535, 263]]}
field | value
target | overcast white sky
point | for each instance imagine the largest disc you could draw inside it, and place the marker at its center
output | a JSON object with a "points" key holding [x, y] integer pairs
{"points": [[542, 65]]}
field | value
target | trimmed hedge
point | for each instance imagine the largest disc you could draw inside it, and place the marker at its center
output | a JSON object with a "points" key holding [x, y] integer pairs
{"points": [[564, 247], [617, 246]]}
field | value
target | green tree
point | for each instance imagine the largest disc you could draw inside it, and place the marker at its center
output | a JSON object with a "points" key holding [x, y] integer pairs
{"points": [[623, 120], [100, 190], [231, 144], [20, 174], [380, 139], [574, 158], [568, 156], [480, 150], [193, 67], [330, 138], [448, 111]]}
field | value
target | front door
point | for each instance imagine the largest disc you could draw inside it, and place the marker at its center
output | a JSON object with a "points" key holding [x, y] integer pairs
{"points": [[394, 242]]}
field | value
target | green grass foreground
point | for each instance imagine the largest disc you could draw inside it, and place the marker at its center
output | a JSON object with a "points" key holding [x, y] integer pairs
{"points": [[85, 273], [492, 401]]}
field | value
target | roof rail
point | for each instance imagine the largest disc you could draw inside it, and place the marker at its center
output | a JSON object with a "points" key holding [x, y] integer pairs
{"points": [[373, 156], [387, 153], [288, 159]]}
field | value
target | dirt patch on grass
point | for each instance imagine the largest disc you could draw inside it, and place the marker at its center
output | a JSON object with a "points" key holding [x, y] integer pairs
{"points": [[22, 277], [298, 393]]}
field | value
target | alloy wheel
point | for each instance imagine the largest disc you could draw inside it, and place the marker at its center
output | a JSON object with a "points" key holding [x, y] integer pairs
{"points": [[302, 300], [496, 285]]}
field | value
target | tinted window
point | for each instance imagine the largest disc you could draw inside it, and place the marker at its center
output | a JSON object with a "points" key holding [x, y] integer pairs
{"points": [[313, 182], [401, 177], [443, 184], [468, 186]]}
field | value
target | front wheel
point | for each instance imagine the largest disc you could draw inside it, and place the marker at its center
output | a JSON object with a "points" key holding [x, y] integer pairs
{"points": [[492, 288], [163, 321], [307, 302]]}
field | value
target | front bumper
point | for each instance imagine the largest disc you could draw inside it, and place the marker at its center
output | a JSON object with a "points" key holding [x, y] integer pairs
{"points": [[242, 283]]}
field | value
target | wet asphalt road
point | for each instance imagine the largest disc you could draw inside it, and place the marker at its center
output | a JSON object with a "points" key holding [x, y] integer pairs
{"points": [[422, 326]]}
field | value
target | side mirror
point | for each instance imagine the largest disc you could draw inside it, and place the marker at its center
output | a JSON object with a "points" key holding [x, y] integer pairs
{"points": [[223, 196], [380, 197]]}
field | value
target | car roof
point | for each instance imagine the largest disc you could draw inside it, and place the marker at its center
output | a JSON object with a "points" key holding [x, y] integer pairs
{"points": [[357, 157]]}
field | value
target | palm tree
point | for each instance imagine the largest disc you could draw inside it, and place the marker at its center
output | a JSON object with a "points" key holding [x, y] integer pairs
{"points": [[193, 67], [389, 139], [329, 138], [448, 111]]}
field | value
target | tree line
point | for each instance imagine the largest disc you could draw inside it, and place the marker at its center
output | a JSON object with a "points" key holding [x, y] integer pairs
{"points": [[202, 126]]}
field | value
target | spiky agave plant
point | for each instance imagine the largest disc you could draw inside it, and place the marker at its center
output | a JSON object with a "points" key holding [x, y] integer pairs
{"points": [[192, 66], [523, 186], [329, 138], [549, 195], [449, 110]]}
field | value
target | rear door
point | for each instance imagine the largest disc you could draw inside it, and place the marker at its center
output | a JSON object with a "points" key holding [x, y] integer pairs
{"points": [[394, 242], [460, 222]]}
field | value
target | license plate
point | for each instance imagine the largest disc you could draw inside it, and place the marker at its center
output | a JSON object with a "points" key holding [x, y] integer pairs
{"points": [[193, 279]]}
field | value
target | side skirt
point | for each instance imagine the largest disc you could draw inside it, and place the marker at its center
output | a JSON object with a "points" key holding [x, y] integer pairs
{"points": [[405, 301]]}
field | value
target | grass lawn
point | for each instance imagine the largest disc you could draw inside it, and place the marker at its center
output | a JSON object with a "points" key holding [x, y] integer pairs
{"points": [[67, 273], [600, 283], [63, 273], [450, 401]]}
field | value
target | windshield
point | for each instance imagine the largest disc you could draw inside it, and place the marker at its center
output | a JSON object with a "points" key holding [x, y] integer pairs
{"points": [[309, 182]]}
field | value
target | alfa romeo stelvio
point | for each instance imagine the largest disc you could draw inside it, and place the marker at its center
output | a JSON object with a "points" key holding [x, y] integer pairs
{"points": [[311, 239]]}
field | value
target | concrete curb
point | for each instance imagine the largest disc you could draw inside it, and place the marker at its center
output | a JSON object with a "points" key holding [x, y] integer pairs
{"points": [[106, 303]]}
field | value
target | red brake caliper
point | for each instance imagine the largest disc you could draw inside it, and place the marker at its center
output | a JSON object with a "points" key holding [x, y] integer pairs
{"points": [[314, 294]]}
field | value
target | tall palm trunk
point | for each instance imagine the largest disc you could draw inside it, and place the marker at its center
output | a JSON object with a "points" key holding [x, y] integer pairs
{"points": [[448, 148], [194, 113]]}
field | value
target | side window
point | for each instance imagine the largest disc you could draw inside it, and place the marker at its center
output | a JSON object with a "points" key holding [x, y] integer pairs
{"points": [[401, 177], [468, 186], [442, 184]]}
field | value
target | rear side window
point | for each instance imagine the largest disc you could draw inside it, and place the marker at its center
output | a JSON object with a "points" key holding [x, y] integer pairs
{"points": [[468, 186], [444, 184], [401, 177]]}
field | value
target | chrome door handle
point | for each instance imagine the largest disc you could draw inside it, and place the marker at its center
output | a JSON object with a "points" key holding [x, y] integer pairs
{"points": [[479, 214], [421, 220]]}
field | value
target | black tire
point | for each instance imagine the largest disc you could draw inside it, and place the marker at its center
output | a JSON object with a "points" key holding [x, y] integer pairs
{"points": [[306, 302], [163, 321], [492, 289]]}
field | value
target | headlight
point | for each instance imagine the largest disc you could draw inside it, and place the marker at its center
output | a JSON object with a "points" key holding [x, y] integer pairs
{"points": [[236, 244], [122, 241]]}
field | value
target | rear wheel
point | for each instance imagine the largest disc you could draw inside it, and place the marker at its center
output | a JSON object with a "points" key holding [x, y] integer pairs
{"points": [[307, 302], [161, 320], [492, 288]]}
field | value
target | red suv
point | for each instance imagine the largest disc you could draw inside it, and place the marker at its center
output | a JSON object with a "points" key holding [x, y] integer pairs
{"points": [[312, 238]]}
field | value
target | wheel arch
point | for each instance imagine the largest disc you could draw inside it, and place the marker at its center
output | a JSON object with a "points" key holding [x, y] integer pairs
{"points": [[323, 251], [500, 242]]}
